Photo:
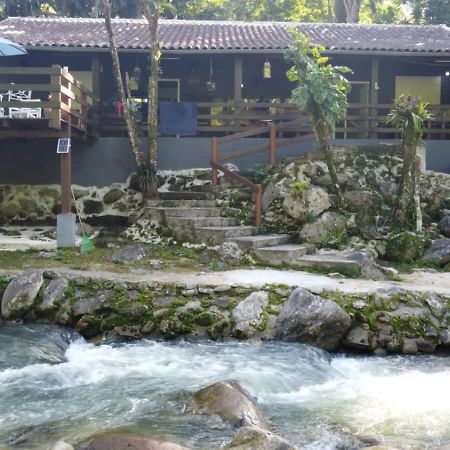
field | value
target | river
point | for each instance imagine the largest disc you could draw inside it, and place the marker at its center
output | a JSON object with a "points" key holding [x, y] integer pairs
{"points": [[54, 385]]}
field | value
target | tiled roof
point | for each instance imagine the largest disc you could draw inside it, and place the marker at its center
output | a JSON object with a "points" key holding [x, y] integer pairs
{"points": [[215, 35]]}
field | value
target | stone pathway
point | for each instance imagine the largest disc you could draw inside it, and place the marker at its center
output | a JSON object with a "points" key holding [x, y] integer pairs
{"points": [[418, 281]]}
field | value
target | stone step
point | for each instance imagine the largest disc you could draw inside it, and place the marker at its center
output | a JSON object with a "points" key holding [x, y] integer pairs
{"points": [[185, 222], [181, 203], [261, 240], [282, 254], [185, 211], [218, 235], [330, 262], [185, 195]]}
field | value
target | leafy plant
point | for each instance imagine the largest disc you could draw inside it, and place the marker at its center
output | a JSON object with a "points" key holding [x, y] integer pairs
{"points": [[298, 188], [409, 116], [259, 172], [310, 217], [322, 92]]}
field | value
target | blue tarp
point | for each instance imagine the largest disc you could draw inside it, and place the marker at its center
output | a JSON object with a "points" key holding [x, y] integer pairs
{"points": [[178, 119]]}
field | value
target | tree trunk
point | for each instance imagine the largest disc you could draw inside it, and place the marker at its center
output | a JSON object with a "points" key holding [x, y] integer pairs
{"points": [[323, 133], [418, 209], [128, 116], [339, 11], [405, 210], [347, 10], [153, 94], [352, 8]]}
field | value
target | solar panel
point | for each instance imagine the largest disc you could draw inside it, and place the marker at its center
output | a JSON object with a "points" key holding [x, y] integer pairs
{"points": [[63, 145]]}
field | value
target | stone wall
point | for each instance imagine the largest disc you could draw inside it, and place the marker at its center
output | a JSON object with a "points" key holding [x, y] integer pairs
{"points": [[386, 321], [41, 204]]}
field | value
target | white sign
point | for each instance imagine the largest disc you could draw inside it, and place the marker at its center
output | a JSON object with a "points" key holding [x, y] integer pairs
{"points": [[63, 145]]}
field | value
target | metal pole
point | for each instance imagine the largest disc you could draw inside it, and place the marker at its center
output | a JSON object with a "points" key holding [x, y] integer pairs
{"points": [[214, 151], [66, 174]]}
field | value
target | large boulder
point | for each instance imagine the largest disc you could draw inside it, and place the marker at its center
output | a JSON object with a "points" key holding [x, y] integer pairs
{"points": [[247, 315], [329, 230], [53, 294], [438, 254], [101, 301], [404, 247], [112, 196], [129, 254], [230, 253], [252, 438], [444, 226], [20, 294], [313, 201], [308, 318], [358, 200], [128, 441], [231, 402]]}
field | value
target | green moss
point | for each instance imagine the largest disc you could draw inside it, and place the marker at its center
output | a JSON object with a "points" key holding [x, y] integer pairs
{"points": [[263, 322]]}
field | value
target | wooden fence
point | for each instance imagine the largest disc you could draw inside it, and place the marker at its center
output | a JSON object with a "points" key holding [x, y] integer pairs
{"points": [[58, 95]]}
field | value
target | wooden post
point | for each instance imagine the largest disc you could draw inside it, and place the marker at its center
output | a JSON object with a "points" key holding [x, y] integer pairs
{"points": [[273, 144], [374, 87], [258, 205], [95, 69], [55, 100], [66, 174], [237, 90], [214, 154]]}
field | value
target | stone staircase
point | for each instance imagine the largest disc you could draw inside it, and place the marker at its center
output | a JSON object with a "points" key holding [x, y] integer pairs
{"points": [[194, 217]]}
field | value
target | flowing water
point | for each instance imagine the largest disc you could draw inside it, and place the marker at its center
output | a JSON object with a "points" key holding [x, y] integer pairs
{"points": [[55, 385]]}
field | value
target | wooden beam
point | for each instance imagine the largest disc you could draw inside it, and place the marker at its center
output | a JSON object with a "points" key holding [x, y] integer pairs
{"points": [[95, 68], [238, 79], [374, 88], [66, 175]]}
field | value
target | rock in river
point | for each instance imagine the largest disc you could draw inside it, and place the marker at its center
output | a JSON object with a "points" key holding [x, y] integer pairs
{"points": [[308, 318], [247, 315], [128, 441], [252, 438], [20, 294], [231, 402]]}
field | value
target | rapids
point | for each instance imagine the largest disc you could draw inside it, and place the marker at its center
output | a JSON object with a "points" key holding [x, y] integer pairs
{"points": [[54, 385]]}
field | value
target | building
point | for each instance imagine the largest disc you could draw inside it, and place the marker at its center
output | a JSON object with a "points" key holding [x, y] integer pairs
{"points": [[234, 73]]}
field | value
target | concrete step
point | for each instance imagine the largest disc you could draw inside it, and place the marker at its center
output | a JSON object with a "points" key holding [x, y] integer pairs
{"points": [[261, 240], [333, 262], [185, 211], [185, 222], [218, 235], [282, 254], [181, 203], [185, 195]]}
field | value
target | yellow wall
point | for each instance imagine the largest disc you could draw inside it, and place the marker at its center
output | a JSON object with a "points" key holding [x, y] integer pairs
{"points": [[427, 89]]}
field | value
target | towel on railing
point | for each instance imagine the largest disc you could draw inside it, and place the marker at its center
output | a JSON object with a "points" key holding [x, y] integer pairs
{"points": [[179, 119]]}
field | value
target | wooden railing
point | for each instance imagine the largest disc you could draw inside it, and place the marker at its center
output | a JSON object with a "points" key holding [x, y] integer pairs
{"points": [[272, 130], [223, 118], [55, 92]]}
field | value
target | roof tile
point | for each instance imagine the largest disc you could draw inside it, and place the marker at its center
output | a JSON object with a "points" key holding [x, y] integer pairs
{"points": [[215, 35]]}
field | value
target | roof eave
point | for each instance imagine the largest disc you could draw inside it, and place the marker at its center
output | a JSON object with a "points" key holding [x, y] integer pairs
{"points": [[276, 51]]}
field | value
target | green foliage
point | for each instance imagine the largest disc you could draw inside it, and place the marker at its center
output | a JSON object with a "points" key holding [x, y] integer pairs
{"points": [[409, 115], [322, 88], [259, 172], [298, 188], [431, 11]]}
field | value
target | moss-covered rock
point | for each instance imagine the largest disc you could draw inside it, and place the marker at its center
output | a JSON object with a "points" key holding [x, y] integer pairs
{"points": [[404, 247]]}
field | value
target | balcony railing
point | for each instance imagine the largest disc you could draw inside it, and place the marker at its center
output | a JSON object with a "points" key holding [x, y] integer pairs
{"points": [[56, 96], [223, 118]]}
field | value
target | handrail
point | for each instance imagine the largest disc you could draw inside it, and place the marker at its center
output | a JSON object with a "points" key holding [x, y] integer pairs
{"points": [[272, 146], [257, 188]]}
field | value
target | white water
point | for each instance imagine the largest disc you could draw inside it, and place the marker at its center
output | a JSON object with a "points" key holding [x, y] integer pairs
{"points": [[308, 395]]}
